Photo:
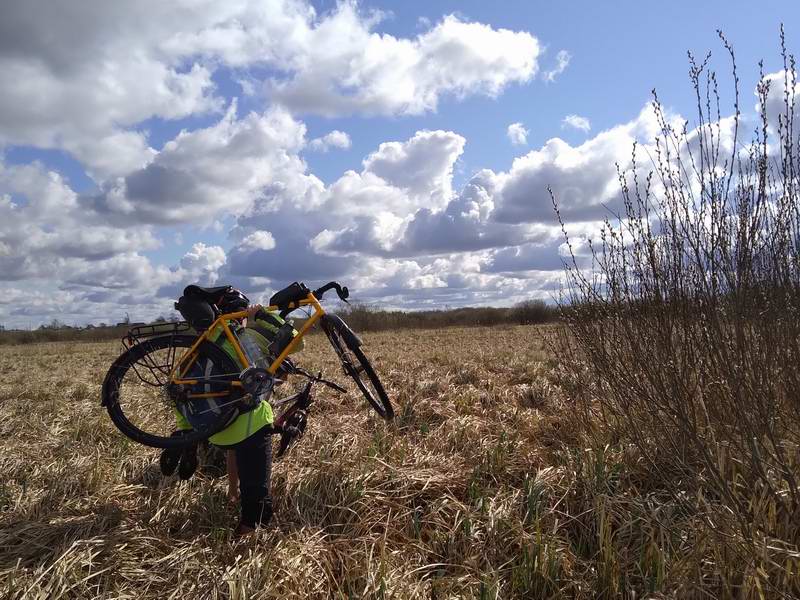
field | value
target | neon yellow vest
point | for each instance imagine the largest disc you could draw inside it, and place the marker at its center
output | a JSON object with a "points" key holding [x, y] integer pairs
{"points": [[248, 423]]}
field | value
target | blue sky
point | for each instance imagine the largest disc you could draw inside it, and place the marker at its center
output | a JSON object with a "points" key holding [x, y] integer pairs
{"points": [[127, 174]]}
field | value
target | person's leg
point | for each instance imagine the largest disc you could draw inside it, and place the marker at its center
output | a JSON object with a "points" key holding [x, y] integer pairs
{"points": [[233, 475], [254, 463]]}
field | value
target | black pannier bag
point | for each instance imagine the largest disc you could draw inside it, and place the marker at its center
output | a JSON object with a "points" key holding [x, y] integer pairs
{"points": [[288, 295], [198, 306]]}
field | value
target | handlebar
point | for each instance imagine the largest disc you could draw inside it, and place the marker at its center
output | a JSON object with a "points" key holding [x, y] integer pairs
{"points": [[342, 292], [294, 295]]}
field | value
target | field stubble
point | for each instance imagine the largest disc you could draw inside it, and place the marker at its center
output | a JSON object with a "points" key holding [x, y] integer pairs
{"points": [[481, 488]]}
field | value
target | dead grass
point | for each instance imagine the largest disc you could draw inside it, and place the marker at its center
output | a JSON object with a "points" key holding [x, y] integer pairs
{"points": [[483, 488]]}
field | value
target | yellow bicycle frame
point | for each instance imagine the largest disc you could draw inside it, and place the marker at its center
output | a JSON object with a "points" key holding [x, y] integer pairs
{"points": [[187, 359]]}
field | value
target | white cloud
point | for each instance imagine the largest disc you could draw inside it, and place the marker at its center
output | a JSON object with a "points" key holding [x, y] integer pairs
{"points": [[422, 166], [88, 80], [334, 139], [202, 263], [562, 62], [259, 240], [344, 67], [127, 271], [93, 79], [206, 172], [74, 76], [583, 177], [358, 212], [82, 77], [517, 133], [494, 210], [576, 122], [51, 232], [396, 229]]}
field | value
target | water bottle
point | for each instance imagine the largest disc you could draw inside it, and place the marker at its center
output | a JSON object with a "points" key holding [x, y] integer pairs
{"points": [[252, 350], [263, 383]]}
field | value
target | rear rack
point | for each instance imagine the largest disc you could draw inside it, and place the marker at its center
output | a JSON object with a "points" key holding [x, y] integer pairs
{"points": [[141, 332]]}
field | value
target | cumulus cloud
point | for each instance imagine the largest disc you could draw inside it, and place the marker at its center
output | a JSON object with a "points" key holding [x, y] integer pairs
{"points": [[93, 80], [583, 177], [421, 166], [49, 231], [334, 139], [493, 211], [517, 133], [562, 62], [355, 215], [68, 262], [464, 225], [82, 77], [201, 263], [347, 68], [395, 228], [258, 240], [128, 271], [74, 76], [204, 172], [398, 180], [576, 122]]}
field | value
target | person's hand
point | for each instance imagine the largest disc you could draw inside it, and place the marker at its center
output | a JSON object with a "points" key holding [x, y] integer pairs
{"points": [[252, 311]]}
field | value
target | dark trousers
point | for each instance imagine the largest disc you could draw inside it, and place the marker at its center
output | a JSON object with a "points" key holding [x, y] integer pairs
{"points": [[254, 461]]}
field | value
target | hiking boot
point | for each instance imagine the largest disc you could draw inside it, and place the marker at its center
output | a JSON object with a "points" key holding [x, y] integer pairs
{"points": [[188, 462], [169, 461]]}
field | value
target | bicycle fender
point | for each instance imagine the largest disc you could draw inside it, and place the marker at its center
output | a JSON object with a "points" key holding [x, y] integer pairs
{"points": [[336, 322]]}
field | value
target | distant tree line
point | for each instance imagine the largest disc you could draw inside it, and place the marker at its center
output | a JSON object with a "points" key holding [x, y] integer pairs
{"points": [[360, 317], [529, 312], [64, 333]]}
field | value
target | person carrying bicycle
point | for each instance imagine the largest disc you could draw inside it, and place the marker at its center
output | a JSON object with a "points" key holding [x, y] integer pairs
{"points": [[247, 439], [215, 371]]}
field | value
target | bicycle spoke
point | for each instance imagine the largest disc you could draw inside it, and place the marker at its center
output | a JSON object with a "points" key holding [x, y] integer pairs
{"points": [[219, 406], [154, 369], [211, 378]]}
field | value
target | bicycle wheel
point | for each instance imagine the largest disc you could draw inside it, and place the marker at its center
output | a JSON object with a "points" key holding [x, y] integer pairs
{"points": [[357, 366], [143, 406]]}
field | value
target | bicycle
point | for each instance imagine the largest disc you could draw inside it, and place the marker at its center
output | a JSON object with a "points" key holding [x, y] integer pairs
{"points": [[145, 385]]}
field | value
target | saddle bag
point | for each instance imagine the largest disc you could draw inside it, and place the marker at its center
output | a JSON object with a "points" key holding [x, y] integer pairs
{"points": [[197, 307], [289, 295]]}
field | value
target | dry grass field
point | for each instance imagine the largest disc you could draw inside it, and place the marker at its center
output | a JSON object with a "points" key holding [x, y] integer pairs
{"points": [[434, 505], [482, 488]]}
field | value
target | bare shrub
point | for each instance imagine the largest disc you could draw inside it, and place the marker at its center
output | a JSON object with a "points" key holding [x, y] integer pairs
{"points": [[684, 332]]}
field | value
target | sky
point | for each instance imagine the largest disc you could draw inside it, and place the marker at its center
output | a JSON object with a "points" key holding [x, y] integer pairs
{"points": [[402, 148]]}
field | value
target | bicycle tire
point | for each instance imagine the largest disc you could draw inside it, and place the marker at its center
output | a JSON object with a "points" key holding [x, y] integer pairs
{"points": [[142, 355], [342, 344]]}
